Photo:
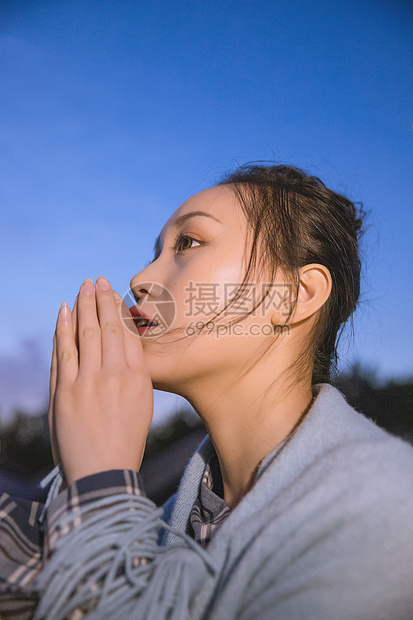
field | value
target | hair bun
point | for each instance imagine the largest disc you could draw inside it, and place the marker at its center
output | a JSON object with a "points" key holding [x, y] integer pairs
{"points": [[357, 225], [358, 215]]}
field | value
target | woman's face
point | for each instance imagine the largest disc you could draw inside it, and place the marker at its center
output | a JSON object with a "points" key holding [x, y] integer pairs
{"points": [[200, 260]]}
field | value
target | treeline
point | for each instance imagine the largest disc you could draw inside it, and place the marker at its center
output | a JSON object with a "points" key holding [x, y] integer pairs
{"points": [[25, 441], [390, 405]]}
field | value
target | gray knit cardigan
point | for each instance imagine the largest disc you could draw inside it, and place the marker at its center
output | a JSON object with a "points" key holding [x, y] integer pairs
{"points": [[326, 533]]}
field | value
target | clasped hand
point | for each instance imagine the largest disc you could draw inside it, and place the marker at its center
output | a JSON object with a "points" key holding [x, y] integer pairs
{"points": [[101, 394]]}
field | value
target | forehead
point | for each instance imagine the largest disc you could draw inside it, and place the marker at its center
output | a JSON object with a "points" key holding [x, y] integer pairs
{"points": [[219, 202]]}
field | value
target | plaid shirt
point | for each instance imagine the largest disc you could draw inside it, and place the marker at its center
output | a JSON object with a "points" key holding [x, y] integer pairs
{"points": [[25, 545], [209, 510]]}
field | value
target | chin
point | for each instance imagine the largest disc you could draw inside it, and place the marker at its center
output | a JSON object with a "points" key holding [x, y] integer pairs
{"points": [[173, 369], [167, 379], [162, 377]]}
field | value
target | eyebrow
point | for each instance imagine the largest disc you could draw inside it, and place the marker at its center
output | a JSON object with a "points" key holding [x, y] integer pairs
{"points": [[181, 220]]}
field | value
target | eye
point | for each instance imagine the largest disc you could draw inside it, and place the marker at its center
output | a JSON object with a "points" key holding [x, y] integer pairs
{"points": [[184, 242]]}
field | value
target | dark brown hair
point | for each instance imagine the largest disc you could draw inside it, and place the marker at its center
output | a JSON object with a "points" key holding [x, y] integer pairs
{"points": [[296, 220]]}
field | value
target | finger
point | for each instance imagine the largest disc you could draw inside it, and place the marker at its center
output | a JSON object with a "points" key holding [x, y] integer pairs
{"points": [[132, 339], [75, 321], [113, 350], [88, 328], [52, 391], [67, 363], [53, 372]]}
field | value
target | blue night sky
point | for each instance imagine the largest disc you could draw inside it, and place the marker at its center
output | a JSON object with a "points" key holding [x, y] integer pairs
{"points": [[112, 113]]}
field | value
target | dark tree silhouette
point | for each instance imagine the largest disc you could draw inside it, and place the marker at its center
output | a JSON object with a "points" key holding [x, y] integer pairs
{"points": [[25, 455]]}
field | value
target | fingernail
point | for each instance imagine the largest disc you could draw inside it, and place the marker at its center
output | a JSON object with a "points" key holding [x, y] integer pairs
{"points": [[87, 287], [118, 298], [102, 283], [64, 311]]}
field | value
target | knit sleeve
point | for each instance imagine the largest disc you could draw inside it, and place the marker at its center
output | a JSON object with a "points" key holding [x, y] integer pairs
{"points": [[23, 544], [20, 556], [103, 559]]}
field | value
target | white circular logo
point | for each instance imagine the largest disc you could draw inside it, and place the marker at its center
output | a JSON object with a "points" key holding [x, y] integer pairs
{"points": [[151, 309]]}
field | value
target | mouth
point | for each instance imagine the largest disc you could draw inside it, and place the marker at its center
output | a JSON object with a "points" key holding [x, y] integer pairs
{"points": [[142, 322]]}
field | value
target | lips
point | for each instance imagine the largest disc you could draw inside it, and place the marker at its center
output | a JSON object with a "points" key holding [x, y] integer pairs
{"points": [[140, 318]]}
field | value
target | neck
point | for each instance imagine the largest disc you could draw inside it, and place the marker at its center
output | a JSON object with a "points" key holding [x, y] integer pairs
{"points": [[246, 420]]}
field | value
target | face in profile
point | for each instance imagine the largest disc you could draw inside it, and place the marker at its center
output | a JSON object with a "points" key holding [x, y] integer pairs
{"points": [[200, 260]]}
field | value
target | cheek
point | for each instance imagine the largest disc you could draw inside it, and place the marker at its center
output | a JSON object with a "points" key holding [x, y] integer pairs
{"points": [[204, 293], [229, 264]]}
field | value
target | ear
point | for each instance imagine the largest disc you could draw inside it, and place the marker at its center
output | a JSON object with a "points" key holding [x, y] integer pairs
{"points": [[313, 291]]}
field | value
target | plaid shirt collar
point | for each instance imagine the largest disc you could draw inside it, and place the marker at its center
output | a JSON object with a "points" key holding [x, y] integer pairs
{"points": [[209, 510]]}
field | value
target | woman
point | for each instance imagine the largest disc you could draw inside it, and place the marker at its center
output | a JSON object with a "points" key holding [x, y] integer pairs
{"points": [[295, 506]]}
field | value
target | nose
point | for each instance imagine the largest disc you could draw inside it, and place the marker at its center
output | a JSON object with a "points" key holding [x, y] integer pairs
{"points": [[142, 286]]}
